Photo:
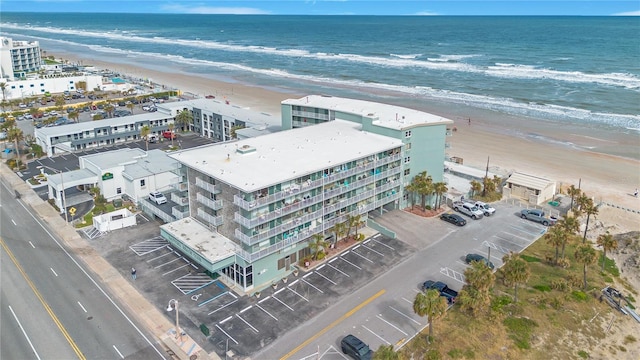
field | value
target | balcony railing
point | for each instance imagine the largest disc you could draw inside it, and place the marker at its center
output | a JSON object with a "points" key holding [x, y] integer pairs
{"points": [[180, 186], [207, 186], [178, 212], [309, 114], [180, 200], [277, 230], [210, 203], [211, 219]]}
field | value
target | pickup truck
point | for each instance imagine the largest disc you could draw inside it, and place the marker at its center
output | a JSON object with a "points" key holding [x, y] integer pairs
{"points": [[444, 290], [468, 209], [537, 216], [487, 209]]}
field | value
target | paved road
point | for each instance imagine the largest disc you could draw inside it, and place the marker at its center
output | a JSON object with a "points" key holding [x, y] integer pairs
{"points": [[82, 319]]}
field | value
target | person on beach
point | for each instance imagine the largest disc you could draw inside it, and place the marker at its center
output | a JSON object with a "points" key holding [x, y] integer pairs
{"points": [[133, 273], [635, 193]]}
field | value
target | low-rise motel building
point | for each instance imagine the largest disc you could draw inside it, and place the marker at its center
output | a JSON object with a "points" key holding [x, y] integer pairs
{"points": [[256, 204]]}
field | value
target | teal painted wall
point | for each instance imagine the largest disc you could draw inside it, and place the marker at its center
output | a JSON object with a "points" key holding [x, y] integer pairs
{"points": [[287, 118]]}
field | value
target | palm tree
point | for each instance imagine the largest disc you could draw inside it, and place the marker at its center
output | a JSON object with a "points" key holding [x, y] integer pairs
{"points": [[608, 243], [357, 222], [571, 225], [516, 271], [412, 189], [350, 223], [16, 135], [440, 189], [339, 229], [488, 186], [473, 300], [479, 276], [573, 192], [131, 105], [184, 118], [556, 237], [317, 245], [3, 88], [144, 133], [385, 352], [171, 126], [589, 208], [586, 255], [476, 187], [109, 109], [430, 304], [74, 115]]}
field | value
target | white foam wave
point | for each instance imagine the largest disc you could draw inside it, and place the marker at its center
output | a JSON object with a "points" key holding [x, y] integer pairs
{"points": [[408, 56], [442, 63]]}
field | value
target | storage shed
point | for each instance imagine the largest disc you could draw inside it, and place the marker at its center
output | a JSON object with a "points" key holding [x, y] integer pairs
{"points": [[533, 189]]}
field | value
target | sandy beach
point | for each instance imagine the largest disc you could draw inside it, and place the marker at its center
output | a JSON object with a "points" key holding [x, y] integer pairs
{"points": [[605, 177]]}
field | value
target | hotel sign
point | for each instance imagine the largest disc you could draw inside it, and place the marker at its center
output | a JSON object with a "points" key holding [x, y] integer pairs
{"points": [[107, 176]]}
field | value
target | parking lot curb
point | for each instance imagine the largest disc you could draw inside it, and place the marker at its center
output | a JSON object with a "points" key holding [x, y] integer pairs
{"points": [[148, 315]]}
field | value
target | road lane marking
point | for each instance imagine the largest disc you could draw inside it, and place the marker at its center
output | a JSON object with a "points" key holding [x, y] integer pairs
{"points": [[118, 351], [333, 324], [54, 272], [46, 306], [376, 335], [85, 310], [14, 223], [24, 333], [31, 245]]}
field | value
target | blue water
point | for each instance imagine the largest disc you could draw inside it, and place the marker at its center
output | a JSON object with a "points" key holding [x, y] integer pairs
{"points": [[581, 70]]}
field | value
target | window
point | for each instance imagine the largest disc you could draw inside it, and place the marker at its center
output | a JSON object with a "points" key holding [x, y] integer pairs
{"points": [[407, 172], [407, 134], [407, 159], [119, 191], [142, 182]]}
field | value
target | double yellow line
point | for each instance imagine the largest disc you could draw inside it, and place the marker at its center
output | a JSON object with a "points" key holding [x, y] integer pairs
{"points": [[55, 319], [330, 326]]}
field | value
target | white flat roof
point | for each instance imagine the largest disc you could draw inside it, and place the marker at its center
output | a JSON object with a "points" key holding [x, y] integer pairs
{"points": [[90, 125], [390, 116], [217, 107], [285, 155], [118, 157], [529, 181], [200, 239]]}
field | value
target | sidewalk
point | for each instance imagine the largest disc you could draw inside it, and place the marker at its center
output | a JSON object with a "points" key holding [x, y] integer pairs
{"points": [[148, 315]]}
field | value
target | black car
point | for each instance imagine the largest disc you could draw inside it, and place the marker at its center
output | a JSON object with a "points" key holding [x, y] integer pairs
{"points": [[480, 258], [454, 219], [355, 348]]}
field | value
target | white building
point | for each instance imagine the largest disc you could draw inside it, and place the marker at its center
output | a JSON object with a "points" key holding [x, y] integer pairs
{"points": [[17, 58], [52, 84]]}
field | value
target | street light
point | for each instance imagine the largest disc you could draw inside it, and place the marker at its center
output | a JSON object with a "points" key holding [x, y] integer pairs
{"points": [[169, 308], [64, 198]]}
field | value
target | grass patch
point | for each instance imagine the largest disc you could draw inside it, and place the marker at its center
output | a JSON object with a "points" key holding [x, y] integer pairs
{"points": [[461, 354], [543, 288], [583, 354], [530, 259], [579, 295], [629, 339], [610, 266], [520, 330], [500, 302]]}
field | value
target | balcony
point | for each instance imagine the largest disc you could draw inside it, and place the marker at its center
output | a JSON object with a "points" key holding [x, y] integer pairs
{"points": [[277, 230], [179, 213], [206, 186], [180, 200], [211, 219], [311, 115], [180, 186], [284, 193], [210, 203]]}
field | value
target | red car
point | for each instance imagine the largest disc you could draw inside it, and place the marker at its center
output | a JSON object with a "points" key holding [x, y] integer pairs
{"points": [[169, 135]]}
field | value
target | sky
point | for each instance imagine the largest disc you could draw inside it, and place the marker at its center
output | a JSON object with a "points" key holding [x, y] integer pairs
{"points": [[332, 7]]}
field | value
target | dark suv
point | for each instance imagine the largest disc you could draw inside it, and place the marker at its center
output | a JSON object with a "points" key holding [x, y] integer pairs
{"points": [[476, 257], [355, 348]]}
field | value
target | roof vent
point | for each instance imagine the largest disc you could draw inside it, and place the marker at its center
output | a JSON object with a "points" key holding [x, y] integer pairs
{"points": [[245, 149]]}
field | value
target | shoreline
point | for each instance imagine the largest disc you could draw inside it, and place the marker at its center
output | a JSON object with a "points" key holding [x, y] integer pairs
{"points": [[565, 153]]}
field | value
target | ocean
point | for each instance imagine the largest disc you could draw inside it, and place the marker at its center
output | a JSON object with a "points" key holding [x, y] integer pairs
{"points": [[583, 71]]}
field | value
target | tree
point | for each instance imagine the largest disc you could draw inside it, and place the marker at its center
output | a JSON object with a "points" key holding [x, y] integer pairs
{"points": [[97, 117], [170, 127], [479, 276], [131, 106], [184, 119], [515, 271], [144, 133], [3, 88], [357, 223], [317, 245], [488, 185], [74, 115], [571, 225], [16, 135], [556, 237], [109, 109], [385, 352], [608, 243], [412, 189], [430, 304], [476, 187], [339, 229], [586, 255], [440, 189], [573, 192], [589, 208], [59, 101], [473, 300]]}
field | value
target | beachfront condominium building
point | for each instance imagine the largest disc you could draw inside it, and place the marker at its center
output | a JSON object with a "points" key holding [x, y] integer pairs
{"points": [[256, 204], [17, 58], [422, 134]]}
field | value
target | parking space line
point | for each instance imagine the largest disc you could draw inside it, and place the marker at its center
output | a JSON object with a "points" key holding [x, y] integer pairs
{"points": [[294, 282], [234, 340], [403, 314], [381, 243], [245, 309], [169, 262], [176, 269], [266, 312], [409, 301], [350, 263], [280, 301], [509, 240], [329, 280], [225, 320], [222, 307], [453, 274], [376, 335], [390, 324], [370, 249], [338, 270], [308, 283], [263, 300], [278, 292], [293, 291], [517, 228], [245, 321], [213, 298], [353, 252], [158, 257], [496, 247]]}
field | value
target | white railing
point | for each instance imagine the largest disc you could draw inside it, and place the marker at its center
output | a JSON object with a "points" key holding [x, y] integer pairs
{"points": [[207, 186], [211, 219], [180, 200], [311, 115], [210, 203]]}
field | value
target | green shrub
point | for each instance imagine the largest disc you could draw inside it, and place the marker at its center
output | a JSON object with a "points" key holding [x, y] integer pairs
{"points": [[520, 330], [579, 295], [629, 339], [543, 288], [530, 259], [610, 267], [583, 354], [559, 284], [500, 302]]}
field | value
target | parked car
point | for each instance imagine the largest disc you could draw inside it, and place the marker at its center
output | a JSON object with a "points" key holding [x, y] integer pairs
{"points": [[537, 216], [487, 209], [152, 138], [444, 290], [355, 348], [477, 257], [454, 219], [468, 209], [169, 135], [158, 198]]}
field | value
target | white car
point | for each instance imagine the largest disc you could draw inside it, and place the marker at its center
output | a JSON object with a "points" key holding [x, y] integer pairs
{"points": [[158, 198]]}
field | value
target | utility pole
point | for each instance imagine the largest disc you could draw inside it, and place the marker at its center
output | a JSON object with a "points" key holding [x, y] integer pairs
{"points": [[486, 178]]}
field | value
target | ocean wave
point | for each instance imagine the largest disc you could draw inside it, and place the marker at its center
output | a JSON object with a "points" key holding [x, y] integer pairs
{"points": [[446, 62]]}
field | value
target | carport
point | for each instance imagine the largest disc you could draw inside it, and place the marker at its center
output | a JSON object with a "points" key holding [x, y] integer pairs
{"points": [[59, 182], [530, 188]]}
